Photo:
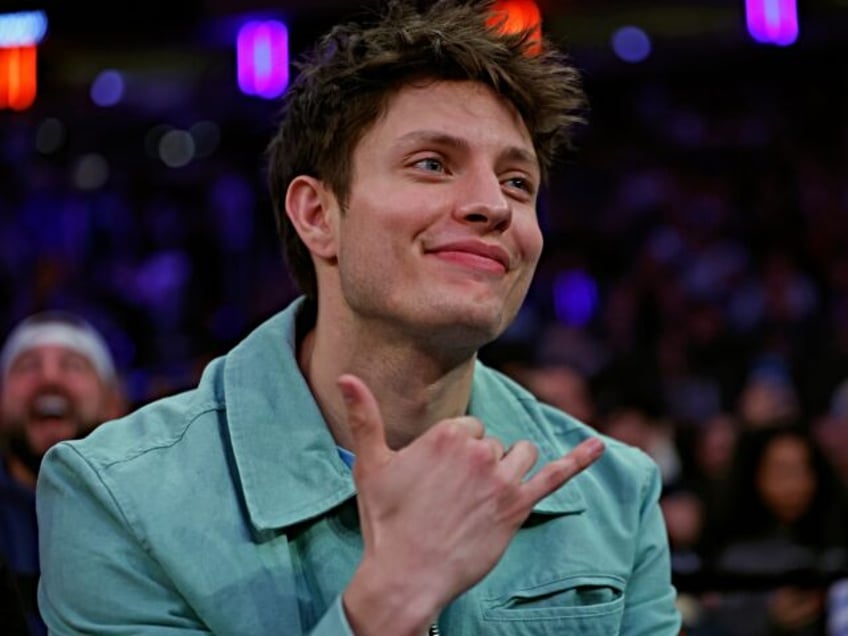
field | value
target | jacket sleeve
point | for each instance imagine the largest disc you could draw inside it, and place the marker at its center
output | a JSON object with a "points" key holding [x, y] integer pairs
{"points": [[97, 576], [334, 622], [650, 607]]}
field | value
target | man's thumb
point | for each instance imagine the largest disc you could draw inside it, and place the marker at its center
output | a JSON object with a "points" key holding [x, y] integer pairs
{"points": [[363, 420]]}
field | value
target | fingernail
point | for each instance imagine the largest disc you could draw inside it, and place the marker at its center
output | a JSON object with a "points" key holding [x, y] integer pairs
{"points": [[595, 446]]}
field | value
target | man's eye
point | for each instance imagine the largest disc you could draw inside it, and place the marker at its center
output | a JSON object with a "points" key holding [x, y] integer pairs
{"points": [[73, 365], [431, 164], [24, 365], [520, 183], [76, 364]]}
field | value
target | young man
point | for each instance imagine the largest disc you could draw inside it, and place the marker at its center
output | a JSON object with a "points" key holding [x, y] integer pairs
{"points": [[405, 174], [57, 382]]}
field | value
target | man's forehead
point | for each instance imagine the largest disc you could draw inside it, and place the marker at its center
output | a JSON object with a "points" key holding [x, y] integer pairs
{"points": [[440, 99]]}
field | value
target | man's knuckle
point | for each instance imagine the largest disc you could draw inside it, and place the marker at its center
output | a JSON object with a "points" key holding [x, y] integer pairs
{"points": [[446, 434], [480, 455]]}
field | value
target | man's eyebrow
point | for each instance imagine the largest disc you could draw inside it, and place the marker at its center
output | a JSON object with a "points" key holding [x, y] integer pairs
{"points": [[434, 137], [514, 153], [438, 138]]}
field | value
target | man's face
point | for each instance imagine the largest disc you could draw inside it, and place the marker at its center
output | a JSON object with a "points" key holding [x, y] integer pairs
{"points": [[440, 237], [50, 394]]}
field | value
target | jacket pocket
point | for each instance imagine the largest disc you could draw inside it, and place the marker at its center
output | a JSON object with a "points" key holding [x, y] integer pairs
{"points": [[590, 603]]}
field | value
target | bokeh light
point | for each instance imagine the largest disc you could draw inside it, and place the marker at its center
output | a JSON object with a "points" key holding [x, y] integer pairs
{"points": [[50, 136], [176, 148], [631, 44], [90, 172], [107, 89]]}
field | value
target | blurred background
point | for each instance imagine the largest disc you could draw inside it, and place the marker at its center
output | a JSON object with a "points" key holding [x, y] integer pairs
{"points": [[694, 286]]}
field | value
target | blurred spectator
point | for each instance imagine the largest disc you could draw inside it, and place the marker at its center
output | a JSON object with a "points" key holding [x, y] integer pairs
{"points": [[785, 537], [684, 513], [831, 431], [715, 445], [558, 385], [713, 449], [769, 396], [636, 425], [57, 382], [684, 517]]}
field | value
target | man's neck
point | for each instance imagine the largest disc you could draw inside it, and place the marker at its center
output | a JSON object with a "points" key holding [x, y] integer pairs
{"points": [[414, 388]]}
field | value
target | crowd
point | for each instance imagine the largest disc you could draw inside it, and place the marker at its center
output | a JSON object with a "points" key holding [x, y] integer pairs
{"points": [[692, 299]]}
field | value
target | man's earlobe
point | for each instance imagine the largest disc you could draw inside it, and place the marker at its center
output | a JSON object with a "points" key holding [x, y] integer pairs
{"points": [[310, 206]]}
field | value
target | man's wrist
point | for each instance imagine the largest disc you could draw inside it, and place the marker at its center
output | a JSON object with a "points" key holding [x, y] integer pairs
{"points": [[375, 605]]}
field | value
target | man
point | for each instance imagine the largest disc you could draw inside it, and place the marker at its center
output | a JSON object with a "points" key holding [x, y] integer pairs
{"points": [[405, 174], [57, 382]]}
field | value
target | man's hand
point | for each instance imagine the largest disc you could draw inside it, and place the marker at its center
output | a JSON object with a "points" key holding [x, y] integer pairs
{"points": [[437, 515]]}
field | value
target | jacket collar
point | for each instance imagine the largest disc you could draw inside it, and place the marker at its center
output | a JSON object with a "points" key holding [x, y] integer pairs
{"points": [[285, 458]]}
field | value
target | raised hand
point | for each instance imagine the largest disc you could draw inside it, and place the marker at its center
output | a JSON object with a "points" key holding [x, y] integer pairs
{"points": [[437, 515]]}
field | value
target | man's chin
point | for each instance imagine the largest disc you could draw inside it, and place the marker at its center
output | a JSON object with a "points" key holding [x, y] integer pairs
{"points": [[45, 433], [478, 323], [466, 333]]}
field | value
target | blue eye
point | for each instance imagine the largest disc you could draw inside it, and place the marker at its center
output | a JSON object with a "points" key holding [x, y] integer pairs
{"points": [[430, 164], [520, 183]]}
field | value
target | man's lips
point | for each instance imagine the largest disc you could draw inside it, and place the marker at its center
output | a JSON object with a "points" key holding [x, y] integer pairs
{"points": [[476, 254], [51, 405]]}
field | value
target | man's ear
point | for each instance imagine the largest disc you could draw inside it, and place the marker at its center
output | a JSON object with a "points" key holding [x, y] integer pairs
{"points": [[311, 207]]}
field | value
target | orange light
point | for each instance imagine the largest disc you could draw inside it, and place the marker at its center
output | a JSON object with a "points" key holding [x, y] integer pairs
{"points": [[17, 77], [516, 16]]}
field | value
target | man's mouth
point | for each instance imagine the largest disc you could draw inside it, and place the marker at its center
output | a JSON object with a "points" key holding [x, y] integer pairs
{"points": [[474, 253], [51, 405]]}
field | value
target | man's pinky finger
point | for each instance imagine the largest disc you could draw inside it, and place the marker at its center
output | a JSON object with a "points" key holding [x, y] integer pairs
{"points": [[587, 452], [556, 473]]}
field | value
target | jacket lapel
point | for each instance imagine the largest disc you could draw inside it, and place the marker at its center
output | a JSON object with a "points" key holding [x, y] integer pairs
{"points": [[285, 458]]}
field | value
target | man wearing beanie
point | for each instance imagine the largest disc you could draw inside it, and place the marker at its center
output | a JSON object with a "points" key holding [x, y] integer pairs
{"points": [[57, 382]]}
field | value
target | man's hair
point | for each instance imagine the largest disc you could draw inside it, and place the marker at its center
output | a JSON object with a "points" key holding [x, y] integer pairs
{"points": [[345, 83]]}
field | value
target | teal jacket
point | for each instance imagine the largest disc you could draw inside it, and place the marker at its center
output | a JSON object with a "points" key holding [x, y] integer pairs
{"points": [[227, 510]]}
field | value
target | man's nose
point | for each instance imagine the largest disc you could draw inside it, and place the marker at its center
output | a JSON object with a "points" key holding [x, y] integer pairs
{"points": [[483, 202], [50, 371]]}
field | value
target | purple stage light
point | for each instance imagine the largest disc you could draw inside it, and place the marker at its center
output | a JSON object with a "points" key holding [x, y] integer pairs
{"points": [[262, 55], [772, 21]]}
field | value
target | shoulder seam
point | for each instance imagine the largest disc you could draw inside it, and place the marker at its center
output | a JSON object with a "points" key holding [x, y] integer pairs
{"points": [[189, 419]]}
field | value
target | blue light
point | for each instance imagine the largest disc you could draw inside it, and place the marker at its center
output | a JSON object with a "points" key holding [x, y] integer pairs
{"points": [[262, 55], [107, 88], [575, 297], [631, 44], [23, 28]]}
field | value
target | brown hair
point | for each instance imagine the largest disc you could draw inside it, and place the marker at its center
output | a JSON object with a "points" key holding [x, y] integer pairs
{"points": [[345, 83]]}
